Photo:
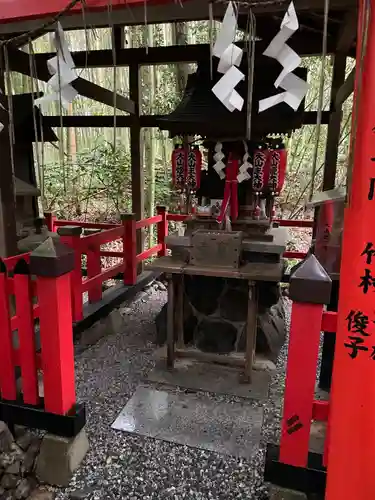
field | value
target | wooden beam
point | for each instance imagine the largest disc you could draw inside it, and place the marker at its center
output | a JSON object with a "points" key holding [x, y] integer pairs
{"points": [[138, 201], [84, 87], [345, 90], [309, 118], [192, 10], [118, 38], [19, 61], [100, 94], [348, 32], [334, 126]]}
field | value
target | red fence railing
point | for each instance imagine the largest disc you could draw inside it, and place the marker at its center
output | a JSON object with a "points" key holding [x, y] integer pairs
{"points": [[35, 303], [128, 259]]}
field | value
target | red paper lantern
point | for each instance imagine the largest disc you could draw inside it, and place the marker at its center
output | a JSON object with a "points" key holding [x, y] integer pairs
{"points": [[194, 166], [277, 159], [178, 167], [261, 168]]}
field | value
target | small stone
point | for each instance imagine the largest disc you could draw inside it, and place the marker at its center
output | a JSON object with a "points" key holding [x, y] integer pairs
{"points": [[24, 440], [24, 489], [161, 287], [30, 456], [8, 495], [14, 468], [81, 494], [6, 438], [9, 481], [42, 494]]}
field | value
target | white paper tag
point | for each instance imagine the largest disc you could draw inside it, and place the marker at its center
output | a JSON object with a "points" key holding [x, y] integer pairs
{"points": [[227, 32], [232, 56], [227, 83]]}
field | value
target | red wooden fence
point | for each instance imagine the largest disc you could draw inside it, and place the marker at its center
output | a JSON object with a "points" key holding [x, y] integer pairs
{"points": [[27, 306]]}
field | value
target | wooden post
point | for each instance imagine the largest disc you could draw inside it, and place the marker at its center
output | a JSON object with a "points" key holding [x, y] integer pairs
{"points": [[333, 133], [52, 262], [50, 218], [170, 324], [310, 289], [351, 454], [8, 227], [94, 267], [26, 336], [7, 379], [71, 236], [138, 202], [251, 331], [162, 230], [129, 242]]}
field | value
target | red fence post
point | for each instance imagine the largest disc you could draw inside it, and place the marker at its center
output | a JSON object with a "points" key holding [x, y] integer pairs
{"points": [[7, 378], [310, 289], [52, 262], [26, 332], [129, 242], [94, 267], [71, 236], [50, 219], [162, 229]]}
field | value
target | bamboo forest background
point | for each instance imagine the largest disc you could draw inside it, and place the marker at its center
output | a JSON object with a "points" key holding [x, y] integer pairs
{"points": [[87, 174]]}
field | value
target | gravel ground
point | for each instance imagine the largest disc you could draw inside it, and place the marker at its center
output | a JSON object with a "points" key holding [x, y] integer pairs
{"points": [[124, 466]]}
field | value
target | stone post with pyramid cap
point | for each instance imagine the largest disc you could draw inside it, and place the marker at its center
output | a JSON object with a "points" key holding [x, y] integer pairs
{"points": [[52, 262], [291, 465], [310, 290]]}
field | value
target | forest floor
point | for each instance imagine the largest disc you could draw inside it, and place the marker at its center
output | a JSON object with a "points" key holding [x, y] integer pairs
{"points": [[120, 465]]}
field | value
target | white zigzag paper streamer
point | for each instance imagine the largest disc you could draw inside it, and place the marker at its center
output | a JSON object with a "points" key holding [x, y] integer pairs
{"points": [[246, 165], [218, 157], [295, 88], [230, 56], [62, 71]]}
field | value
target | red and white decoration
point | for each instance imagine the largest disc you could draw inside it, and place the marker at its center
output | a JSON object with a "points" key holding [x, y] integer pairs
{"points": [[186, 168]]}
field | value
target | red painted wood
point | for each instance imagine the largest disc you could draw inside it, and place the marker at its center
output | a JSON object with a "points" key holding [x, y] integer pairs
{"points": [[300, 383], [116, 255], [94, 268], [329, 322], [162, 230], [294, 255], [7, 378], [101, 238], [14, 319], [17, 359], [295, 222], [105, 275], [351, 455], [16, 10], [26, 336], [56, 335], [10, 262], [320, 411], [149, 253], [74, 242], [50, 219], [130, 251], [148, 222], [178, 217], [87, 225]]}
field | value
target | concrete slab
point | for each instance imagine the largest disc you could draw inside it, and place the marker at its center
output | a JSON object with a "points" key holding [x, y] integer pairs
{"points": [[196, 421], [207, 377]]}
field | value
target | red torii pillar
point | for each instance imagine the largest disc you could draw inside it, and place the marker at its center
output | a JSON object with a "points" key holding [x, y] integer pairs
{"points": [[351, 456]]}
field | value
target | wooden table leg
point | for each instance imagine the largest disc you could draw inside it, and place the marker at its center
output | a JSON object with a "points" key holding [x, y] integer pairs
{"points": [[251, 331], [170, 324], [179, 314]]}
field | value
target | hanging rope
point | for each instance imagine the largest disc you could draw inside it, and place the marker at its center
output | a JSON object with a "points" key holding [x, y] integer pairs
{"points": [[320, 100], [365, 21], [114, 62], [250, 74]]}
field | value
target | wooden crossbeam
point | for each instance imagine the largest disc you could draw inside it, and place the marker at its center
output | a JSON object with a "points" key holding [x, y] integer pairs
{"points": [[21, 63], [309, 118], [346, 89]]}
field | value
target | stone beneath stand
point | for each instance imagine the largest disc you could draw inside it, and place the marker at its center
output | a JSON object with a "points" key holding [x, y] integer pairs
{"points": [[215, 314]]}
